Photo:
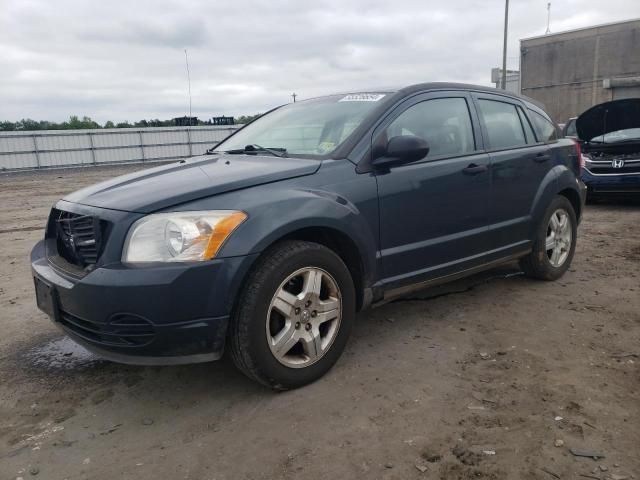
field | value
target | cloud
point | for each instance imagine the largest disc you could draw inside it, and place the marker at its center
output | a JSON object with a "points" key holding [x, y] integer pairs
{"points": [[124, 60]]}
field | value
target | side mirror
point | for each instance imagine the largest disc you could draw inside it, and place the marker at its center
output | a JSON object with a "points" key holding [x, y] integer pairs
{"points": [[402, 149]]}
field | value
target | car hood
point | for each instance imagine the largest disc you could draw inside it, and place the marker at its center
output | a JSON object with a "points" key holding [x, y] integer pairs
{"points": [[198, 177], [609, 117]]}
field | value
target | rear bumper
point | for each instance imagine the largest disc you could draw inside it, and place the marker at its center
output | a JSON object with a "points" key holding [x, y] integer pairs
{"points": [[611, 184], [582, 190], [169, 314]]}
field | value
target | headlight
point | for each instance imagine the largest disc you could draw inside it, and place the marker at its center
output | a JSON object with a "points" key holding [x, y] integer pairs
{"points": [[180, 236]]}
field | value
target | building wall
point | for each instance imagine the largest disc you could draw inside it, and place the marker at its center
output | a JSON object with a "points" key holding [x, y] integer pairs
{"points": [[568, 71], [513, 79], [64, 148]]}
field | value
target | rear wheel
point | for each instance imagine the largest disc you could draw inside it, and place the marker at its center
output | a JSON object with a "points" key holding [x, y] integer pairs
{"points": [[555, 242], [294, 316]]}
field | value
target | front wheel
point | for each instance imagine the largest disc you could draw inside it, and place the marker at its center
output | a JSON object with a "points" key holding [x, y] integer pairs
{"points": [[555, 242], [294, 316]]}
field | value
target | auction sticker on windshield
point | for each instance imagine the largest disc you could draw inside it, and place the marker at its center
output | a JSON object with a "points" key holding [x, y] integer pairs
{"points": [[362, 97]]}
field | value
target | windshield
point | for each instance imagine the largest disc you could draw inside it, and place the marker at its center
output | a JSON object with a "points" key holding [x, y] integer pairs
{"points": [[312, 127], [618, 136]]}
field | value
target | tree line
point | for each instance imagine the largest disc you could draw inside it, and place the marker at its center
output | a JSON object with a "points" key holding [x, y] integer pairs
{"points": [[77, 123]]}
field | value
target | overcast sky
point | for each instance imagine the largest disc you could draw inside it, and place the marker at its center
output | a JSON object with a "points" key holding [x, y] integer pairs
{"points": [[124, 60]]}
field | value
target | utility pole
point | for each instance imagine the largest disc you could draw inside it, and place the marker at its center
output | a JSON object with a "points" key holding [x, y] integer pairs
{"points": [[186, 59], [548, 18], [294, 95], [504, 46]]}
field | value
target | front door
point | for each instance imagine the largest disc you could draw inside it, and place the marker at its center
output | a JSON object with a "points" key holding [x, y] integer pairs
{"points": [[433, 213]]}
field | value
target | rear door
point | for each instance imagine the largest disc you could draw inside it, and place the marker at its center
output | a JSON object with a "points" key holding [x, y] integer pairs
{"points": [[519, 162], [433, 213]]}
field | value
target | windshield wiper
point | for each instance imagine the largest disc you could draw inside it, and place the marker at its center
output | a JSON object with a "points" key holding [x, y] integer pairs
{"points": [[254, 147]]}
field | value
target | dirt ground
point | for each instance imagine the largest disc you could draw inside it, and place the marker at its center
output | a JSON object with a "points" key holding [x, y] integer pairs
{"points": [[493, 377]]}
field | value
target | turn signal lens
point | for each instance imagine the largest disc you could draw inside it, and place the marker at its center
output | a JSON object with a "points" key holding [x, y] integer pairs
{"points": [[221, 232]]}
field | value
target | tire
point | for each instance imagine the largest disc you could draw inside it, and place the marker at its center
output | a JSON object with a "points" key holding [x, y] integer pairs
{"points": [[541, 262], [288, 350]]}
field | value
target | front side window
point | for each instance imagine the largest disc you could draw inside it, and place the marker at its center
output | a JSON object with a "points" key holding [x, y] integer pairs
{"points": [[544, 128], [502, 123], [313, 127], [443, 122]]}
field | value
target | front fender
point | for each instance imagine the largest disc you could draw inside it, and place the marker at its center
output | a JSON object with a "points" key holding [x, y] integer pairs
{"points": [[291, 210]]}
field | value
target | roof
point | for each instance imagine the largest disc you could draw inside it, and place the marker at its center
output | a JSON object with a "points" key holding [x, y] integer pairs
{"points": [[469, 87], [399, 93]]}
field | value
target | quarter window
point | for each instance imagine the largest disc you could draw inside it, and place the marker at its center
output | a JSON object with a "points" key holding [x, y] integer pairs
{"points": [[503, 124], [531, 138], [443, 122], [545, 129]]}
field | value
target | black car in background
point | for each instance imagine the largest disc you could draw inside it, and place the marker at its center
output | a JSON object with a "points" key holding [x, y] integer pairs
{"points": [[609, 134]]}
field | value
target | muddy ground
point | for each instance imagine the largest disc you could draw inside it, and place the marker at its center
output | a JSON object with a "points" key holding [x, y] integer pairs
{"points": [[479, 380]]}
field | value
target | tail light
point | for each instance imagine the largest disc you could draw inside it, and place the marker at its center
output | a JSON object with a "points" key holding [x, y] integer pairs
{"points": [[579, 157]]}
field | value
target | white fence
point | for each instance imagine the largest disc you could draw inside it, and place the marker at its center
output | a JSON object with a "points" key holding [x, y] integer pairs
{"points": [[65, 148]]}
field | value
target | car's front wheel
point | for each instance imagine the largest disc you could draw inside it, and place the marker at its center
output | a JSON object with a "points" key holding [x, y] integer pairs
{"points": [[294, 316], [555, 242]]}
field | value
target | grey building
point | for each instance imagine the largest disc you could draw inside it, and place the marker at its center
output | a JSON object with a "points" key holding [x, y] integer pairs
{"points": [[513, 79], [571, 71]]}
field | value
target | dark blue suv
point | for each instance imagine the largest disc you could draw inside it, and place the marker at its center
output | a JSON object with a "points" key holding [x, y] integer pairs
{"points": [[271, 242]]}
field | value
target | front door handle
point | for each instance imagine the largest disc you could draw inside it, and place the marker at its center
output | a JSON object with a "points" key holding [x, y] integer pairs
{"points": [[541, 157], [474, 169]]}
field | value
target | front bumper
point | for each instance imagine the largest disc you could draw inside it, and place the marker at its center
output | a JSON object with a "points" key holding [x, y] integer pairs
{"points": [[611, 184], [167, 314]]}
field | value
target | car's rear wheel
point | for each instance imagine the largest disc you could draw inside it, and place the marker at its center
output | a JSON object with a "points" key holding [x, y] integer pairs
{"points": [[555, 242], [294, 316]]}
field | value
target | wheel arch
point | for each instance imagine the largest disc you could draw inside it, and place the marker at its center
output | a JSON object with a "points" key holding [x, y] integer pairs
{"points": [[558, 181], [336, 240], [574, 197], [342, 245]]}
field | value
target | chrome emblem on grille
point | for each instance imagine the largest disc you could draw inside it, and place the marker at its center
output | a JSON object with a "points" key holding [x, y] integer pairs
{"points": [[618, 163]]}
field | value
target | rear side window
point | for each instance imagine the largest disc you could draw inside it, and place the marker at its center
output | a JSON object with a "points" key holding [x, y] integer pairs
{"points": [[443, 122], [544, 128], [502, 123]]}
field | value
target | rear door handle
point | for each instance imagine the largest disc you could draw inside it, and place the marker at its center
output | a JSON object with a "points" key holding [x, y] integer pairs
{"points": [[474, 169], [541, 157]]}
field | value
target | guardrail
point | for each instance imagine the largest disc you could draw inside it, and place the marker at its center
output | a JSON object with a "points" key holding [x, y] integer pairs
{"points": [[66, 148]]}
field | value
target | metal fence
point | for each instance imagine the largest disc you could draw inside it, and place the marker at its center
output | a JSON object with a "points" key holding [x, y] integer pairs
{"points": [[65, 148]]}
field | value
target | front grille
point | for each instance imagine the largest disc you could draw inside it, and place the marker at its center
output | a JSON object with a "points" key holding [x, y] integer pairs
{"points": [[607, 168], [122, 330], [78, 237]]}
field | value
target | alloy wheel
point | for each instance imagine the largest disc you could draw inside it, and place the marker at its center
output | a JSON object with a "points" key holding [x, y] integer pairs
{"points": [[559, 237], [304, 317]]}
